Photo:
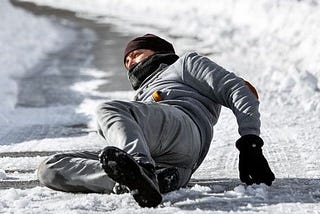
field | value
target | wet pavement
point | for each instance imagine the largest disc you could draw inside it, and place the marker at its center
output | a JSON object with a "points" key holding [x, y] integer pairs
{"points": [[103, 51], [48, 84], [93, 45]]}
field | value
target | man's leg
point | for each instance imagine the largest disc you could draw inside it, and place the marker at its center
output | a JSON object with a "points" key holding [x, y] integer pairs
{"points": [[152, 133], [75, 172]]}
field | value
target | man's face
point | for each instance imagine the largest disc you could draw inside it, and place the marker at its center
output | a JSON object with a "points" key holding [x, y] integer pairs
{"points": [[137, 56]]}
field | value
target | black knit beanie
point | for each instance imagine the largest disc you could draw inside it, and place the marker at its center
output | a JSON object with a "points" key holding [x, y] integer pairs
{"points": [[150, 42]]}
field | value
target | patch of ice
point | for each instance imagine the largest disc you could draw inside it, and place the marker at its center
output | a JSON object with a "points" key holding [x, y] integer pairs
{"points": [[3, 174]]}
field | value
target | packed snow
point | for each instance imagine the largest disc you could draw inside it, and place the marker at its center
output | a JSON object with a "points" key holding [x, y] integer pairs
{"points": [[273, 44]]}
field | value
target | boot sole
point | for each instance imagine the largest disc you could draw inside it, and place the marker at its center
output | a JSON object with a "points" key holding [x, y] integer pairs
{"points": [[123, 169]]}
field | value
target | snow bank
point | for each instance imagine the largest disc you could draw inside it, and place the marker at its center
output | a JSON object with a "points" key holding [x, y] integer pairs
{"points": [[24, 40], [272, 43]]}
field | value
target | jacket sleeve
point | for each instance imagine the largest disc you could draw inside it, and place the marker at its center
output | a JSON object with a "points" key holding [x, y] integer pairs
{"points": [[224, 88]]}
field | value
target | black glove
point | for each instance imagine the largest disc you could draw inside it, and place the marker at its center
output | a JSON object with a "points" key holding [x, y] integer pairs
{"points": [[253, 166]]}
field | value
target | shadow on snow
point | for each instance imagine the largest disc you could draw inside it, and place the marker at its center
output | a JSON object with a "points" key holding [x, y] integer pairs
{"points": [[220, 195]]}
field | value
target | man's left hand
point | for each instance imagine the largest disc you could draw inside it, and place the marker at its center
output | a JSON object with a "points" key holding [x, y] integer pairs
{"points": [[253, 166]]}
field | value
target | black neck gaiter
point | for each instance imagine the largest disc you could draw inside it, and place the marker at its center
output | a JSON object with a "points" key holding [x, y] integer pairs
{"points": [[142, 70]]}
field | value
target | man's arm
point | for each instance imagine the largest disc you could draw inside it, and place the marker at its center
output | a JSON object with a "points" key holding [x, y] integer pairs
{"points": [[240, 96], [224, 88]]}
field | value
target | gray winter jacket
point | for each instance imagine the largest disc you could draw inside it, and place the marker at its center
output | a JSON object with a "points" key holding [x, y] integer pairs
{"points": [[199, 87]]}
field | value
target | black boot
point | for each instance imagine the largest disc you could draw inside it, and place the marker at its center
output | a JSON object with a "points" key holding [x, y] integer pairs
{"points": [[168, 179], [140, 179]]}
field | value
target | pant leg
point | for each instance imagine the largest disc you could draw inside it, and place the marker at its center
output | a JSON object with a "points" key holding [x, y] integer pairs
{"points": [[156, 133], [121, 124], [75, 172]]}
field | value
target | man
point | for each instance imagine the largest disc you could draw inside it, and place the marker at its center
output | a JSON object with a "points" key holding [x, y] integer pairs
{"points": [[158, 140]]}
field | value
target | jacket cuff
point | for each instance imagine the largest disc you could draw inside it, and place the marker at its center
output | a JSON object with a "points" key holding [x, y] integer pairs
{"points": [[248, 142]]}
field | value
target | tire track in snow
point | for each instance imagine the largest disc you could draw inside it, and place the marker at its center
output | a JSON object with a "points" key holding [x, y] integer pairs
{"points": [[19, 184], [281, 150], [30, 153], [219, 170], [226, 153], [283, 155], [276, 150]]}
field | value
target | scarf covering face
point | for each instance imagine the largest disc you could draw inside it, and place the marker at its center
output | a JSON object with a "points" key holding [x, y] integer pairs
{"points": [[142, 70]]}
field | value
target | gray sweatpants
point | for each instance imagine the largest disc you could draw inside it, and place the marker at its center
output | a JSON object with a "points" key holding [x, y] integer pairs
{"points": [[154, 133]]}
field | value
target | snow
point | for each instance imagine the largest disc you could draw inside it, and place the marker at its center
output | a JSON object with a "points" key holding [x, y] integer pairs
{"points": [[22, 33], [273, 44], [272, 38]]}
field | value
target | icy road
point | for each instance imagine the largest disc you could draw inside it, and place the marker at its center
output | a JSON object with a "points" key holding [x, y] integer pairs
{"points": [[56, 66]]}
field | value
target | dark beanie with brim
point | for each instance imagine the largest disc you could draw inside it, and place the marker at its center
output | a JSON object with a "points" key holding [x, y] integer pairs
{"points": [[150, 42]]}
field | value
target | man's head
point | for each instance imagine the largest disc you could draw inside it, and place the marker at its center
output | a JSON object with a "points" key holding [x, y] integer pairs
{"points": [[142, 47]]}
